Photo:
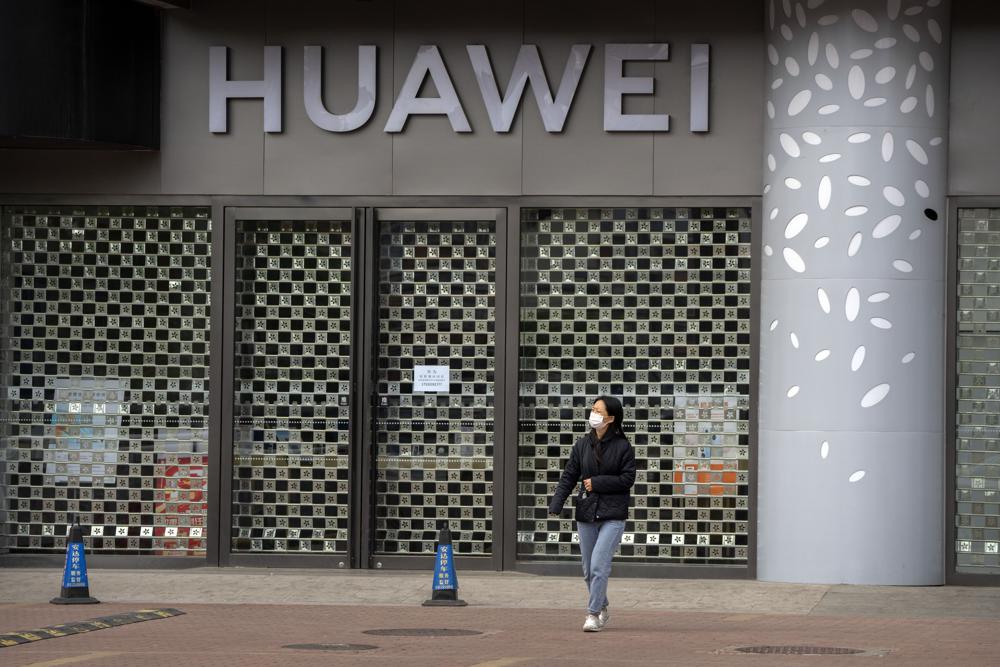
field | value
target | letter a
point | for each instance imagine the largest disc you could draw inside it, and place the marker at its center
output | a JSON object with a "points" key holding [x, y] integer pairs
{"points": [[427, 61]]}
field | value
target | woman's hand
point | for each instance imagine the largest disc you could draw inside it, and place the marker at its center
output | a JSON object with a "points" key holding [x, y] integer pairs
{"points": [[587, 485]]}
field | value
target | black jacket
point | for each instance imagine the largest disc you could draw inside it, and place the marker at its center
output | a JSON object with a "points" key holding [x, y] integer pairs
{"points": [[611, 480]]}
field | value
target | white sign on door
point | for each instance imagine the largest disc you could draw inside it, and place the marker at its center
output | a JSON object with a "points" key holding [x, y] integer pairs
{"points": [[430, 379]]}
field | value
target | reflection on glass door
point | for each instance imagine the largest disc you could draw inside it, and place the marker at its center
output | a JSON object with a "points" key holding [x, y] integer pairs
{"points": [[292, 377], [977, 459], [651, 305], [435, 363], [105, 392]]}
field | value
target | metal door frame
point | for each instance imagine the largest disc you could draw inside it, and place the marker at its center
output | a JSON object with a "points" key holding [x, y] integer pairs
{"points": [[224, 322], [952, 576], [501, 487], [653, 569], [128, 561]]}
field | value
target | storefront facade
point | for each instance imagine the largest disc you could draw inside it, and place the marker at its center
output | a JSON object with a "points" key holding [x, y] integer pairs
{"points": [[361, 291]]}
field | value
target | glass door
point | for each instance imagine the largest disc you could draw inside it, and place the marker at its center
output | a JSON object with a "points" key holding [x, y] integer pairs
{"points": [[652, 305], [293, 362], [381, 317], [436, 384]]}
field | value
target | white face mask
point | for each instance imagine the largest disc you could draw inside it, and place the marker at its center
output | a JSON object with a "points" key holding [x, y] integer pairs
{"points": [[596, 420]]}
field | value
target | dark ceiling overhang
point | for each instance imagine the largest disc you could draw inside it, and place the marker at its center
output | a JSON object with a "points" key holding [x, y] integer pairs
{"points": [[166, 4], [79, 74]]}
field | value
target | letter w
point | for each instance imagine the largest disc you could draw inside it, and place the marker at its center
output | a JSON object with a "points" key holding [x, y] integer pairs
{"points": [[528, 67]]}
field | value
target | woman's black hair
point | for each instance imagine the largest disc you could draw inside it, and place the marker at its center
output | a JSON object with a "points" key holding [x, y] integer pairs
{"points": [[615, 409]]}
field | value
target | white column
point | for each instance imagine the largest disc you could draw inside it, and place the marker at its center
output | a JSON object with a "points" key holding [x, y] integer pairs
{"points": [[851, 456]]}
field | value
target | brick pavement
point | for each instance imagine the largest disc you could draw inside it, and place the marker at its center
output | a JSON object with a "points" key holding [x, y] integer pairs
{"points": [[251, 635], [245, 617]]}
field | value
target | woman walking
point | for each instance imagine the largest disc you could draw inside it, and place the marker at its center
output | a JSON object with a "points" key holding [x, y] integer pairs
{"points": [[603, 459]]}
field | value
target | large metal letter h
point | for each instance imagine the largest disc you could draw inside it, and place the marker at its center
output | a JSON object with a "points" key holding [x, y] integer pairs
{"points": [[221, 89]]}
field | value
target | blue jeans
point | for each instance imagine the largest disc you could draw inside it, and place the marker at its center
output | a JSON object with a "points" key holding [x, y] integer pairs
{"points": [[598, 542]]}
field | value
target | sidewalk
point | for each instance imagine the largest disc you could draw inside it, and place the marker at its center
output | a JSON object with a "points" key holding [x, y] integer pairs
{"points": [[245, 616], [506, 589]]}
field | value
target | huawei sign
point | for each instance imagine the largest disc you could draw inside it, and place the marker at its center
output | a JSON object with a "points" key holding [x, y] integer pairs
{"points": [[428, 62]]}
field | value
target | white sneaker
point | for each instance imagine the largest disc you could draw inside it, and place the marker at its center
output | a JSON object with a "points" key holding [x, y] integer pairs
{"points": [[592, 624], [604, 616]]}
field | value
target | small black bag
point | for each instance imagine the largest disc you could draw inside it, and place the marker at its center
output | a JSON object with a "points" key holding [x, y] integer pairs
{"points": [[586, 506]]}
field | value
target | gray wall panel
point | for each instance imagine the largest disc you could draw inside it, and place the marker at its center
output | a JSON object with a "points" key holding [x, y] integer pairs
{"points": [[193, 159], [584, 159], [726, 160], [428, 156], [974, 142], [305, 159]]}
